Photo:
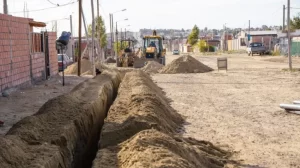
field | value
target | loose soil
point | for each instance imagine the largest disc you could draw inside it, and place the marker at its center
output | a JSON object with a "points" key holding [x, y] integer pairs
{"points": [[238, 110], [151, 148], [65, 129], [26, 101], [185, 64], [152, 67], [140, 105], [86, 65], [110, 60], [140, 131]]}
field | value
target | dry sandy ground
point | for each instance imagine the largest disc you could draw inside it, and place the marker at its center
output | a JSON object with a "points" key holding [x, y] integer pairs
{"points": [[25, 102], [239, 110]]}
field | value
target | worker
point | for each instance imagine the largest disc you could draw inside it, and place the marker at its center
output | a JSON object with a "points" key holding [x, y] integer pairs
{"points": [[152, 44]]}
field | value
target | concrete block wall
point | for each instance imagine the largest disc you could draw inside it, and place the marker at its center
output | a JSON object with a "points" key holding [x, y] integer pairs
{"points": [[15, 55]]}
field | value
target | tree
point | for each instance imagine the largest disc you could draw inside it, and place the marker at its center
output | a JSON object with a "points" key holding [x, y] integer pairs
{"points": [[295, 22], [194, 35], [118, 47], [100, 30]]}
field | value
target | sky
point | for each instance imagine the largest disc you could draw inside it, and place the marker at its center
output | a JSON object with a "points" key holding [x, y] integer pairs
{"points": [[155, 14]]}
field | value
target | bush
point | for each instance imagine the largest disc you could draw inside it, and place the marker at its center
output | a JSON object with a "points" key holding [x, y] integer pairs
{"points": [[275, 53], [205, 48]]}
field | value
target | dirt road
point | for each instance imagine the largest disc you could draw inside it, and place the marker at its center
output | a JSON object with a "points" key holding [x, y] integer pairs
{"points": [[25, 102], [239, 110]]}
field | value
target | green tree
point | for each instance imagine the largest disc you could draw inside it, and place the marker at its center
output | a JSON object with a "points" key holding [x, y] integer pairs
{"points": [[193, 37], [295, 22], [99, 30], [118, 47]]}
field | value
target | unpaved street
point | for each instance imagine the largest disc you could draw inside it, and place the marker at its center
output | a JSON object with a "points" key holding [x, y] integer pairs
{"points": [[239, 110]]}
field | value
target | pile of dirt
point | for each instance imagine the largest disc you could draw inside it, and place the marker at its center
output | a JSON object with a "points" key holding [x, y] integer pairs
{"points": [[185, 64], [100, 66], [152, 67], [140, 105], [151, 148], [140, 131], [86, 65], [65, 129], [110, 60]]}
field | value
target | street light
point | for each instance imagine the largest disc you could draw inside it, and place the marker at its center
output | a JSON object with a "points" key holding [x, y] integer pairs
{"points": [[119, 11], [112, 26]]}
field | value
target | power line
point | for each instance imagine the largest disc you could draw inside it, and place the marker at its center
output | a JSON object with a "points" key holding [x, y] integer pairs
{"points": [[53, 3], [47, 8]]}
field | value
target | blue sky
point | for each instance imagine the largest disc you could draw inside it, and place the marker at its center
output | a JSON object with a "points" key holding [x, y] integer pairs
{"points": [[153, 14]]}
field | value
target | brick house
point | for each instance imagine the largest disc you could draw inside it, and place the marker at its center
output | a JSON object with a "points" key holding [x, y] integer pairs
{"points": [[25, 56]]}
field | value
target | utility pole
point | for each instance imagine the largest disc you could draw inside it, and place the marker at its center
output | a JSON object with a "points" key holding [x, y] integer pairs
{"points": [[98, 9], [125, 33], [116, 52], [5, 10], [71, 29], [93, 40], [71, 25], [249, 34], [79, 38], [289, 33], [283, 23], [98, 28], [111, 35]]}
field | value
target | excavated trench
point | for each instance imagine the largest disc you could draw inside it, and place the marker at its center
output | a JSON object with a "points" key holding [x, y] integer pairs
{"points": [[64, 133], [70, 131]]}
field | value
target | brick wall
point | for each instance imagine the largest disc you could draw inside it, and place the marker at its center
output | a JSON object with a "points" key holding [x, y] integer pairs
{"points": [[15, 53], [38, 65], [53, 53]]}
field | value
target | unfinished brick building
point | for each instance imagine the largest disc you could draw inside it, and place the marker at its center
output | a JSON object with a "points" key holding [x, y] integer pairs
{"points": [[25, 56]]}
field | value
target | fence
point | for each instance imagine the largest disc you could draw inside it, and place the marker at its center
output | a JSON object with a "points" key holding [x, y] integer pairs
{"points": [[295, 47]]}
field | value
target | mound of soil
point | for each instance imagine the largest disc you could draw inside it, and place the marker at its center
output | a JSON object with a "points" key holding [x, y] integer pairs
{"points": [[185, 64], [152, 67], [140, 105], [86, 65], [151, 148], [110, 60], [64, 130], [99, 66]]}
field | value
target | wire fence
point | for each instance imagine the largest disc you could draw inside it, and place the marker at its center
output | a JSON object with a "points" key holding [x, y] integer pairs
{"points": [[295, 47]]}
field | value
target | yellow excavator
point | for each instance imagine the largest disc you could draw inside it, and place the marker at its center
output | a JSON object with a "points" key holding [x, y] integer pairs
{"points": [[127, 55], [152, 50]]}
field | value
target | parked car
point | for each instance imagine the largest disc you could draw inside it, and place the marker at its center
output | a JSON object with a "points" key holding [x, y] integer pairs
{"points": [[62, 65], [256, 48], [175, 52]]}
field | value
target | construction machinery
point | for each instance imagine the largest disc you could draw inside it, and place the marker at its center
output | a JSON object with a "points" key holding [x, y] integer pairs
{"points": [[127, 55], [152, 50]]}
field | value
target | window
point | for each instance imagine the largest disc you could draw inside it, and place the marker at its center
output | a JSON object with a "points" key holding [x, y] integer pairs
{"points": [[37, 44], [255, 44]]}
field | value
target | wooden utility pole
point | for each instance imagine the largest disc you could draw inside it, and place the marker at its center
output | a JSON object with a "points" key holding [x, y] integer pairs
{"points": [[283, 23], [5, 10], [71, 25], [98, 9], [289, 33], [79, 38], [93, 38]]}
